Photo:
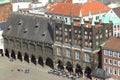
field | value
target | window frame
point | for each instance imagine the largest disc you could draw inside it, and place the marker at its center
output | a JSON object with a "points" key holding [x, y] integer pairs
{"points": [[68, 53], [87, 57], [77, 55], [59, 51]]}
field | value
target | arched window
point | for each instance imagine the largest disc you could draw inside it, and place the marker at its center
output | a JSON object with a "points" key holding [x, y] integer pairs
{"points": [[68, 53], [87, 57], [77, 55], [59, 51]]}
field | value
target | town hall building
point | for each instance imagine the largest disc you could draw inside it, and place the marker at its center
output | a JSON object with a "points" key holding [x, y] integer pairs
{"points": [[49, 41]]}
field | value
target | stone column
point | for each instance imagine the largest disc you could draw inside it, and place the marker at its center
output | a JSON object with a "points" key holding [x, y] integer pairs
{"points": [[36, 61], [16, 56], [44, 61], [29, 60], [64, 68], [74, 70], [56, 66], [22, 58], [9, 55], [83, 73]]}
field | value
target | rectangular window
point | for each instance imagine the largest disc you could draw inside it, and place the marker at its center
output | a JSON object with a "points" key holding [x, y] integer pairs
{"points": [[119, 72], [106, 69], [105, 60], [110, 53], [118, 54], [110, 70], [59, 51], [65, 19], [114, 62], [68, 54], [110, 61], [119, 63], [105, 52], [77, 55], [114, 71], [87, 57], [114, 54]]}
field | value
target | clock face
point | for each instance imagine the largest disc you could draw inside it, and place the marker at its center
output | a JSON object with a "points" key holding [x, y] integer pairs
{"points": [[4, 1]]}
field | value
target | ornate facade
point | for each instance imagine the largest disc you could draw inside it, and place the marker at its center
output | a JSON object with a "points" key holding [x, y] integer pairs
{"points": [[49, 41]]}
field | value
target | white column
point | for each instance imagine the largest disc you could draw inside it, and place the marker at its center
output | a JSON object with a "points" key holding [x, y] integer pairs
{"points": [[29, 60], [9, 55], [74, 70], [15, 56], [36, 61], [44, 61], [22, 58], [83, 73]]}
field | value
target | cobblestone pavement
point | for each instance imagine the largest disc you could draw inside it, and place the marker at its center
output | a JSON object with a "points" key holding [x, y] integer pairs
{"points": [[10, 71]]}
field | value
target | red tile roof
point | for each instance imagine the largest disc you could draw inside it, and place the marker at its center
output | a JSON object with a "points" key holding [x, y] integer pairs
{"points": [[112, 43], [65, 8]]}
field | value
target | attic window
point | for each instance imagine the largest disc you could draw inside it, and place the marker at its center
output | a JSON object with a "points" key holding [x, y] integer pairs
{"points": [[37, 25], [43, 34], [20, 22], [9, 27], [25, 30]]}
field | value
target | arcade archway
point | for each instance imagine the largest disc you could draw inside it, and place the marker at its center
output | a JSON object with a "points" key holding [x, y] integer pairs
{"points": [[69, 67], [49, 62], [33, 59], [78, 69], [40, 61], [60, 65], [19, 56], [88, 72], [13, 54], [7, 53], [26, 58], [1, 52]]}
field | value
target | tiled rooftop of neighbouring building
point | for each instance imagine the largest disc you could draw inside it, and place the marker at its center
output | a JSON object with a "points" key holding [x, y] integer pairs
{"points": [[74, 9], [112, 43]]}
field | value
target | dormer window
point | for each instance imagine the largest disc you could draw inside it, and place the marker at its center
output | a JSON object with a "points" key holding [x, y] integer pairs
{"points": [[43, 34], [25, 30], [37, 25], [9, 27], [20, 22]]}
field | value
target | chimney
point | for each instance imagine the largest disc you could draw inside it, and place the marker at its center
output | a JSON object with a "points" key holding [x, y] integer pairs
{"points": [[90, 1]]}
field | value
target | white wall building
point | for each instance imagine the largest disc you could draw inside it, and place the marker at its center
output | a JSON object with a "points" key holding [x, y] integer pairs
{"points": [[20, 5], [26, 5], [2, 25]]}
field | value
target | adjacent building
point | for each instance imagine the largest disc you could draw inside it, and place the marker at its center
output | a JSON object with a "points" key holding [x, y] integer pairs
{"points": [[114, 15], [111, 57], [5, 9], [2, 25], [86, 10]]}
